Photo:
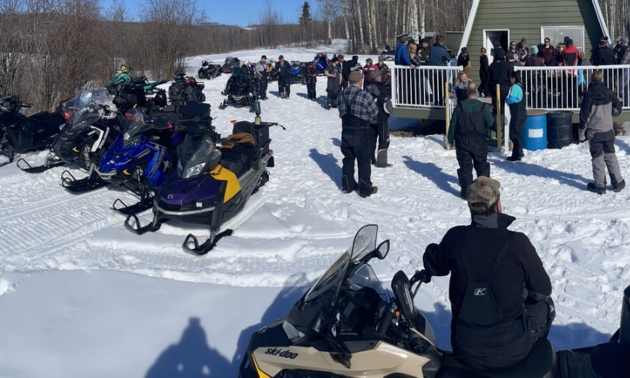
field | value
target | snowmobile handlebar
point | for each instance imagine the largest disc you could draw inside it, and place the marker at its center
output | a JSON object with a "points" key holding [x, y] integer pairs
{"points": [[420, 277]]}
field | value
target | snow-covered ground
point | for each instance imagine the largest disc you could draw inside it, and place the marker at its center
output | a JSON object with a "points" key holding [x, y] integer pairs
{"points": [[81, 296]]}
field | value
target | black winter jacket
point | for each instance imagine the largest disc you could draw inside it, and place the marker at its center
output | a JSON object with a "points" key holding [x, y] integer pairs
{"points": [[284, 69], [519, 276]]}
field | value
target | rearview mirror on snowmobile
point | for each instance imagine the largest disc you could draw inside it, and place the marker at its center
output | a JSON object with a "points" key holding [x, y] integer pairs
{"points": [[382, 250], [256, 108]]}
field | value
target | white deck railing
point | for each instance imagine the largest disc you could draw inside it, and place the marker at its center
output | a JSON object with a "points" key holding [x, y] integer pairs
{"points": [[550, 88], [421, 87], [555, 88]]}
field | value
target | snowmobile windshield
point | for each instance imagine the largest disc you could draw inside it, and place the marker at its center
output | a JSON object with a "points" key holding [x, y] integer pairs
{"points": [[198, 154], [331, 279], [364, 243], [83, 109], [134, 125], [365, 277]]}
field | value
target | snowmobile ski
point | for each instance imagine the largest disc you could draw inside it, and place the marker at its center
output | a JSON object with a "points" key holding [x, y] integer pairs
{"points": [[8, 153], [87, 184], [40, 168], [138, 229], [207, 246], [144, 204]]}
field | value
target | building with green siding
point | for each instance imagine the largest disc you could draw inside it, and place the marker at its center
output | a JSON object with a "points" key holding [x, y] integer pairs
{"points": [[497, 22], [494, 23]]}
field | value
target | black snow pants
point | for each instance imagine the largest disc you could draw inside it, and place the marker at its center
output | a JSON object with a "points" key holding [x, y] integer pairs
{"points": [[356, 145], [284, 85], [471, 151]]}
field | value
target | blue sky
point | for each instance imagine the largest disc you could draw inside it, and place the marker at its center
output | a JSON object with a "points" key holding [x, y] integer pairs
{"points": [[235, 12]]}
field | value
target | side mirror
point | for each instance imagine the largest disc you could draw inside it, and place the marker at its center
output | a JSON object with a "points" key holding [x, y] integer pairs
{"points": [[383, 249], [257, 108]]}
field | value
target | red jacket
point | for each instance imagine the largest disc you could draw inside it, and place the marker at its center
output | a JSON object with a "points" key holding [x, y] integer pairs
{"points": [[570, 58]]}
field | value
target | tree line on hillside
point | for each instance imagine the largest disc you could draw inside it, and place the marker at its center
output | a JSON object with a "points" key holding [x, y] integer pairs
{"points": [[51, 48]]}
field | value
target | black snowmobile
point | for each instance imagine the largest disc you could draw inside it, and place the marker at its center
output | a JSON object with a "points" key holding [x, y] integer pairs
{"points": [[231, 64], [91, 128], [20, 134], [346, 326], [211, 186], [240, 90], [209, 70], [185, 89]]}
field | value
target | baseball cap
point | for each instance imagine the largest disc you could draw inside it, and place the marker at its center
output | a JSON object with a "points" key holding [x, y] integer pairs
{"points": [[355, 77], [482, 194]]}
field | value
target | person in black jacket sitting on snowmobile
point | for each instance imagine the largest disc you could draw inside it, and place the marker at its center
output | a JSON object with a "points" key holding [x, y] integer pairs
{"points": [[499, 289]]}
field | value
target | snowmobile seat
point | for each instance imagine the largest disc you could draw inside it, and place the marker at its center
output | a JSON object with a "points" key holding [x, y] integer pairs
{"points": [[261, 134], [541, 362], [238, 153]]}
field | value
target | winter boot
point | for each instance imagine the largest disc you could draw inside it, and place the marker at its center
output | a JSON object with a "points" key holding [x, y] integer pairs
{"points": [[365, 195], [591, 187], [618, 187]]}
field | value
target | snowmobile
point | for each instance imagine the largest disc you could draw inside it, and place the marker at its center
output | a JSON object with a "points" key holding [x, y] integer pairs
{"points": [[208, 70], [210, 186], [141, 157], [90, 129], [20, 134], [185, 89], [346, 326], [230, 64], [298, 72], [240, 90], [321, 62], [135, 93]]}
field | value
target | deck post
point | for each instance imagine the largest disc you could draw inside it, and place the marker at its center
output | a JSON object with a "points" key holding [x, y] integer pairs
{"points": [[447, 116]]}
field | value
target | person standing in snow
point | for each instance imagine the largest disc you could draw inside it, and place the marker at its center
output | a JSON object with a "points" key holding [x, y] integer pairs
{"points": [[599, 106], [311, 81], [468, 129], [381, 95], [499, 289], [518, 115], [356, 110], [262, 75], [333, 73], [284, 77]]}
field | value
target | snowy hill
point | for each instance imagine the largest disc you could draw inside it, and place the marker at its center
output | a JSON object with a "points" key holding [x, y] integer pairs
{"points": [[82, 296]]}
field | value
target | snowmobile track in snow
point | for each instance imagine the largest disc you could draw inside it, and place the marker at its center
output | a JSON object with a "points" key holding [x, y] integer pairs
{"points": [[54, 224]]}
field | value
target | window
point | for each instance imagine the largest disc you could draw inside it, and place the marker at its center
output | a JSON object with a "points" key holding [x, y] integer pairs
{"points": [[556, 35]]}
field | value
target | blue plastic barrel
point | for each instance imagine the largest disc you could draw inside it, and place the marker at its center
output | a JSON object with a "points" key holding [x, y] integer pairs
{"points": [[535, 130]]}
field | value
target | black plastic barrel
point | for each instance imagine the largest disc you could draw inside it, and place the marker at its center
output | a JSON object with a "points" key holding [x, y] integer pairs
{"points": [[559, 129]]}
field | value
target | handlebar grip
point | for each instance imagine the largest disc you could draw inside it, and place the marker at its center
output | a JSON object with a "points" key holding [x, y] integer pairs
{"points": [[386, 321]]}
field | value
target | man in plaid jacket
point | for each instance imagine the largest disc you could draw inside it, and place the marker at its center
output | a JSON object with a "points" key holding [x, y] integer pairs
{"points": [[356, 110]]}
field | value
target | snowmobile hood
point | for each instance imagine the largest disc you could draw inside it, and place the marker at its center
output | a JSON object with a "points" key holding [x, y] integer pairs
{"points": [[202, 188]]}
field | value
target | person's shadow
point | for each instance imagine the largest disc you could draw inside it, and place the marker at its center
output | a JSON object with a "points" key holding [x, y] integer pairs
{"points": [[294, 289], [528, 169], [191, 357], [433, 173], [328, 164]]}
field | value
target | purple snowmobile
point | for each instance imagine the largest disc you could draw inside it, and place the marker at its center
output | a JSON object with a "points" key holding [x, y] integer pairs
{"points": [[210, 185]]}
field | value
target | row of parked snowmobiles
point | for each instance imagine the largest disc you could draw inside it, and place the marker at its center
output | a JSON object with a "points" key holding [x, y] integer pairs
{"points": [[169, 155]]}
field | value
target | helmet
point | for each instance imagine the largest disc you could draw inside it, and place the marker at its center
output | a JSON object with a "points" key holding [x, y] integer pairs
{"points": [[123, 69]]}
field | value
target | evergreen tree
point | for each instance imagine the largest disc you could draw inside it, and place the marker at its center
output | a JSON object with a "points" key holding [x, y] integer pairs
{"points": [[305, 17]]}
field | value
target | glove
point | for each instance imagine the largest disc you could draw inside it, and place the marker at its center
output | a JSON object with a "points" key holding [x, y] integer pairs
{"points": [[424, 276]]}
